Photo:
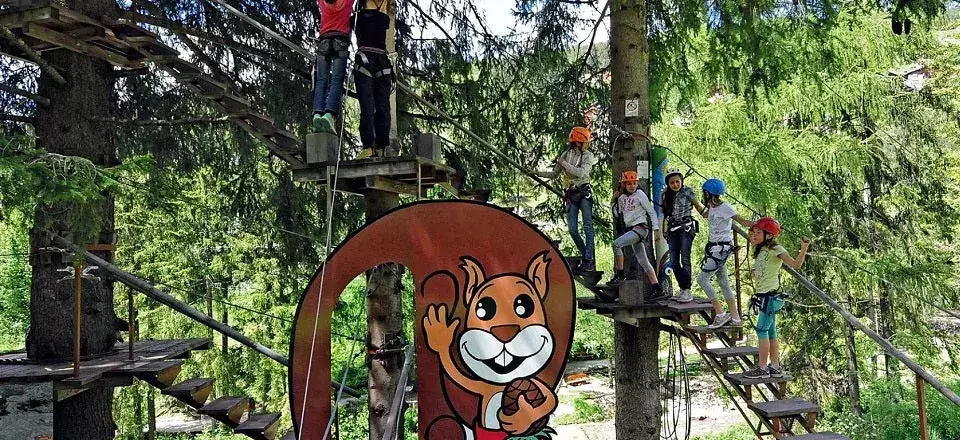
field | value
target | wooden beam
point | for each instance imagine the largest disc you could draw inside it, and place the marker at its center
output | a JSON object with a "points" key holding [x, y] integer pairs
{"points": [[18, 18], [67, 42], [26, 94], [16, 118], [32, 55], [381, 183]]}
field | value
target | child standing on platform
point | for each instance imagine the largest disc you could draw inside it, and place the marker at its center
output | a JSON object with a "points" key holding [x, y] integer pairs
{"points": [[635, 207], [769, 257], [676, 204], [720, 216], [333, 49], [374, 77]]}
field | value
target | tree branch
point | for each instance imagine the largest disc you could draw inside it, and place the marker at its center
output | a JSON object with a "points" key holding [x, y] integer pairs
{"points": [[16, 118], [26, 94]]}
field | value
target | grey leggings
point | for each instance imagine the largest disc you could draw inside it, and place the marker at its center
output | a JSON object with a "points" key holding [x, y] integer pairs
{"points": [[715, 263], [636, 238]]}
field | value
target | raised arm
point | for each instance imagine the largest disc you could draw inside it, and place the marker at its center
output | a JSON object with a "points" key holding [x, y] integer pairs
{"points": [[801, 257]]}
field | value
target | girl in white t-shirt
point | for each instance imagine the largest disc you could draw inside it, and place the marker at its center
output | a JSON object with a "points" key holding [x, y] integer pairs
{"points": [[720, 216]]}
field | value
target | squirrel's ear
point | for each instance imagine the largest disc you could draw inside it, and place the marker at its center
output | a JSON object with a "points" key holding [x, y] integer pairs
{"points": [[475, 277], [537, 273]]}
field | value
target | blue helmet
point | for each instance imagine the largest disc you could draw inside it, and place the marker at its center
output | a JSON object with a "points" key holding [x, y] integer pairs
{"points": [[714, 187]]}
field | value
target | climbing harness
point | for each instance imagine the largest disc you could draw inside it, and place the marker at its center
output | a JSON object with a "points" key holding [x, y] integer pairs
{"points": [[717, 252], [769, 302], [687, 224]]}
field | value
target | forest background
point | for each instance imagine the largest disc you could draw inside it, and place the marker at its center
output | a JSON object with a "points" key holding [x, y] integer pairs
{"points": [[809, 112]]}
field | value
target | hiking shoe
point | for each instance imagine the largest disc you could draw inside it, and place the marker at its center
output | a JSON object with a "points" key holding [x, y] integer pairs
{"points": [[586, 266], [720, 320], [657, 294], [616, 280], [367, 153], [317, 118], [775, 371], [327, 123], [757, 372], [684, 297], [736, 322]]}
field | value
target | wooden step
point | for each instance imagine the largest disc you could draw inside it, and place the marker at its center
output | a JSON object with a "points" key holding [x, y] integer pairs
{"points": [[729, 352], [286, 140], [160, 374], [227, 410], [819, 436], [290, 435], [260, 426], [193, 392], [706, 330], [784, 408], [737, 378]]}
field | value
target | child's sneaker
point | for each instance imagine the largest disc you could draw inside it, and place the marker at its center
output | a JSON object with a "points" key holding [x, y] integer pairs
{"points": [[775, 371], [367, 153], [720, 320], [657, 293], [736, 322], [757, 372], [317, 124], [684, 297], [327, 123]]}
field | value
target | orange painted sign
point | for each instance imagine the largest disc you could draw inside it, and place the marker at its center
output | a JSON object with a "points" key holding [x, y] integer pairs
{"points": [[494, 320]]}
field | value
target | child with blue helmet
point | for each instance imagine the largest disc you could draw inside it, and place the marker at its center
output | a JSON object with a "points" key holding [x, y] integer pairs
{"points": [[720, 216]]}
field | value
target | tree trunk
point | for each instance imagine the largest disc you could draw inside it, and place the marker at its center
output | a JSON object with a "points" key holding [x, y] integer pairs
{"points": [[384, 289], [852, 371], [63, 127], [637, 374], [385, 325]]}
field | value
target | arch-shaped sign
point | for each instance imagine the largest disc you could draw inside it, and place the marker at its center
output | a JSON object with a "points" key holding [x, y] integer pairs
{"points": [[494, 320]]}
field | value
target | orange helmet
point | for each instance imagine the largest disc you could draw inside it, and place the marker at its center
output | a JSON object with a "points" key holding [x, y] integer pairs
{"points": [[629, 176], [580, 134]]}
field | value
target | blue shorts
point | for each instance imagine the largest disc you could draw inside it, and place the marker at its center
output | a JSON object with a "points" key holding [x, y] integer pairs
{"points": [[770, 304]]}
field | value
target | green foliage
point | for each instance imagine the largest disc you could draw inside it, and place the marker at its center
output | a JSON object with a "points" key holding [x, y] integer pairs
{"points": [[886, 401], [738, 432], [14, 282], [585, 411]]}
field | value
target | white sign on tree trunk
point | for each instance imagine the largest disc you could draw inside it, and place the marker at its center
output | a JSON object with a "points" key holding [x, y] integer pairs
{"points": [[633, 108]]}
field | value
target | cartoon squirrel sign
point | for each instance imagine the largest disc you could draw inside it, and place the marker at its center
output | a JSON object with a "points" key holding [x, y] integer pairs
{"points": [[494, 321]]}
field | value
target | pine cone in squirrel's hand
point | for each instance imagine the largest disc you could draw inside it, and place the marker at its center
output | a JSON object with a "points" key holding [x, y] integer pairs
{"points": [[531, 392]]}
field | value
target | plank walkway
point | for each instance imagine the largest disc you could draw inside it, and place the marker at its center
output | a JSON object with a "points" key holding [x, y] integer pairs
{"points": [[17, 368]]}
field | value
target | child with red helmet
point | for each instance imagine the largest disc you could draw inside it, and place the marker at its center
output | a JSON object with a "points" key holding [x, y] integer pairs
{"points": [[635, 207], [769, 257]]}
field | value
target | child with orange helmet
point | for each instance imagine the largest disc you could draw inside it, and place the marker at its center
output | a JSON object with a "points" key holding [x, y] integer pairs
{"points": [[769, 257], [635, 207], [574, 167]]}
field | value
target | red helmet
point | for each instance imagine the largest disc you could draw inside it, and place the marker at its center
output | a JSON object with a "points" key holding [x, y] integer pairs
{"points": [[769, 225]]}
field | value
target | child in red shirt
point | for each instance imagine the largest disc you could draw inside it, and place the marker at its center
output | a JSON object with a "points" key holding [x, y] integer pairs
{"points": [[332, 53]]}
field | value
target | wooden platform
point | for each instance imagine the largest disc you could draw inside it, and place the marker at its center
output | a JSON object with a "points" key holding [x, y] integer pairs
{"points": [[17, 368], [629, 314], [392, 174]]}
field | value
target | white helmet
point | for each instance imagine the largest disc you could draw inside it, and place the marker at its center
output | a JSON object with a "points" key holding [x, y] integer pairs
{"points": [[672, 171]]}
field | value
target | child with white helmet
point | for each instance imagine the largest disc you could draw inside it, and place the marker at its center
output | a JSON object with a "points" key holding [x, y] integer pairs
{"points": [[635, 207], [676, 203], [720, 216]]}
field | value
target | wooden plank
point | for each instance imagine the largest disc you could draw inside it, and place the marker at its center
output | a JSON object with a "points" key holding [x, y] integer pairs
{"points": [[53, 37], [193, 392], [160, 374], [782, 408], [260, 426], [381, 183], [228, 410], [729, 352], [286, 139], [707, 330], [740, 380], [820, 436], [689, 307], [19, 18]]}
